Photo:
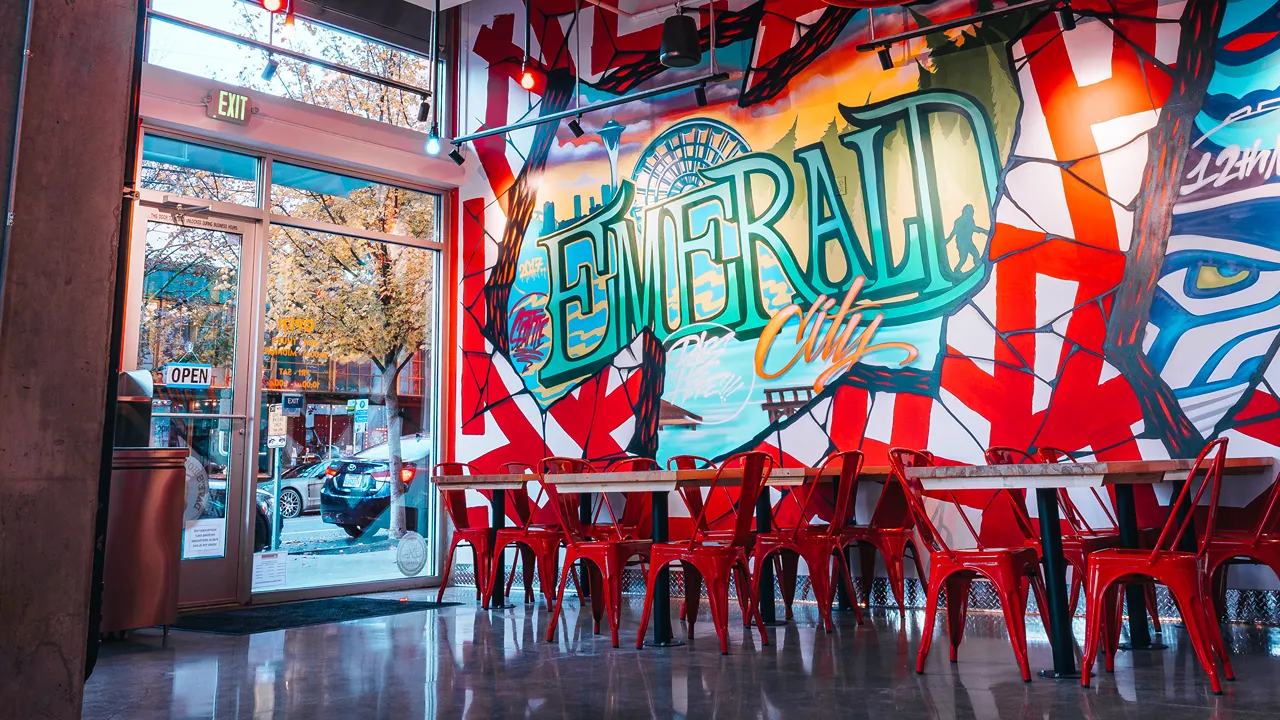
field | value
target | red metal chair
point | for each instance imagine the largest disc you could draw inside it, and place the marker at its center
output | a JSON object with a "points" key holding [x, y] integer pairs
{"points": [[603, 558], [1012, 571], [1257, 545], [889, 532], [539, 544], [1181, 572], [714, 556], [694, 502], [479, 538], [1081, 538], [817, 542], [637, 515]]}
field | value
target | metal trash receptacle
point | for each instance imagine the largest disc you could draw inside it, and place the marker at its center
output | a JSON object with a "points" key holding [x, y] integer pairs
{"points": [[144, 538]]}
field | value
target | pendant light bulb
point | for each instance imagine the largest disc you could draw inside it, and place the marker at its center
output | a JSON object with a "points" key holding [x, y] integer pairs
{"points": [[526, 79], [433, 140], [286, 33]]}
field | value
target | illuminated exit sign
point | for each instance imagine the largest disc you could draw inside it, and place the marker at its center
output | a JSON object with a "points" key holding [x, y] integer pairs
{"points": [[228, 106]]}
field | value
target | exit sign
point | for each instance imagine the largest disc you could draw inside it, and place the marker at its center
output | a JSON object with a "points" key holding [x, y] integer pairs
{"points": [[228, 106]]}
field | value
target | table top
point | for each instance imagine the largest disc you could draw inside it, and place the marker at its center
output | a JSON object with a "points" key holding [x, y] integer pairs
{"points": [[1074, 475], [646, 481]]}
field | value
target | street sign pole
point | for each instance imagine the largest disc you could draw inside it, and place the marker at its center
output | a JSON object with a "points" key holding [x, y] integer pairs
{"points": [[277, 518]]}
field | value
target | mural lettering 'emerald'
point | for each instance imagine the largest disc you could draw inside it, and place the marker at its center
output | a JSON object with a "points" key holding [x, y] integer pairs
{"points": [[708, 247]]}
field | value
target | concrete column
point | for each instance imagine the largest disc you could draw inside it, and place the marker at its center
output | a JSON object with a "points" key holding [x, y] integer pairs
{"points": [[54, 333]]}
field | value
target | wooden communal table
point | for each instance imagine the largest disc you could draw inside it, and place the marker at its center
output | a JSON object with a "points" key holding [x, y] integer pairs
{"points": [[660, 483], [1046, 480]]}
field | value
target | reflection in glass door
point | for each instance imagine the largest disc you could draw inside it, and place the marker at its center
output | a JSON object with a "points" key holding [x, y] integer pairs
{"points": [[185, 327]]}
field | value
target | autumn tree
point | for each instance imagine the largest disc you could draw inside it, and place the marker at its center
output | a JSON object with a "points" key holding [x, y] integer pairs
{"points": [[370, 299]]}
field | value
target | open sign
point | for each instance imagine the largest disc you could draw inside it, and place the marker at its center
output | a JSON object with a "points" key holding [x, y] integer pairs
{"points": [[185, 375]]}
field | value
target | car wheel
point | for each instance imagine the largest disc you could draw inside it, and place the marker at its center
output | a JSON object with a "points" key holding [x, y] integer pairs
{"points": [[354, 531], [290, 503]]}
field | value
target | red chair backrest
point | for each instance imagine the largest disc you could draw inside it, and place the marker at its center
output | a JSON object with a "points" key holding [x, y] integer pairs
{"points": [[756, 467], [638, 511], [1212, 469], [455, 501], [850, 462], [692, 496], [1001, 455], [518, 500], [1054, 456], [899, 460], [1269, 516], [566, 504]]}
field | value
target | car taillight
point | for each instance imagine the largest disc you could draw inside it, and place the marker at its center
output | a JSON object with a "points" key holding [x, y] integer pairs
{"points": [[331, 472], [407, 473]]}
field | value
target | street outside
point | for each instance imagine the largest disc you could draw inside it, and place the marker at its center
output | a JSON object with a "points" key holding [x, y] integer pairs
{"points": [[320, 554]]}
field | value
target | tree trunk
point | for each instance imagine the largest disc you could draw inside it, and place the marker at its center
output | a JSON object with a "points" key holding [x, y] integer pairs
{"points": [[1152, 220], [391, 396]]}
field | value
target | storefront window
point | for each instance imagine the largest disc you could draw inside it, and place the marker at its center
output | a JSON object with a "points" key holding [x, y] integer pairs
{"points": [[183, 168], [224, 60], [312, 194], [350, 325]]}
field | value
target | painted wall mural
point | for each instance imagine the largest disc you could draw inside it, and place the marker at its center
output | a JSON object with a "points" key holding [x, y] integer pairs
{"points": [[1017, 236]]}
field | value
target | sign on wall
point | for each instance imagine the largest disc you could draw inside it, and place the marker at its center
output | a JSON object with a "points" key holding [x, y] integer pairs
{"points": [[228, 106]]}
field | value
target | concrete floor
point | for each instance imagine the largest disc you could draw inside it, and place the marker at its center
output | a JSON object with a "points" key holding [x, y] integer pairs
{"points": [[462, 662]]}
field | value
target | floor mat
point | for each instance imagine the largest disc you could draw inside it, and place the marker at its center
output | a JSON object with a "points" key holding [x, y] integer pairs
{"points": [[268, 618]]}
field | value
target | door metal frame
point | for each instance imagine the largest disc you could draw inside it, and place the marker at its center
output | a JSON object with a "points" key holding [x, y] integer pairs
{"points": [[222, 585], [252, 320]]}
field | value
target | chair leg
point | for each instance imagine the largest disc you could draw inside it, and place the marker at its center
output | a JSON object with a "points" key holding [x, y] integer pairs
{"points": [[1213, 627], [790, 570], [957, 589], [448, 567], [894, 556], [1008, 584], [930, 619], [1096, 621], [842, 565], [1153, 606], [755, 609], [597, 595], [820, 579], [1194, 617], [650, 586], [718, 597], [548, 575], [866, 571], [692, 595], [1077, 584], [1042, 599], [559, 604], [528, 563], [1113, 606], [742, 582]]}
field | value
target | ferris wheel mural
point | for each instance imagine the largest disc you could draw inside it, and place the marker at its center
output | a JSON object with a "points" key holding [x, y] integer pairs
{"points": [[670, 164]]}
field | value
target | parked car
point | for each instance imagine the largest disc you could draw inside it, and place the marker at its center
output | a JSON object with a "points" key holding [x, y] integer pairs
{"points": [[357, 489], [299, 488], [261, 520]]}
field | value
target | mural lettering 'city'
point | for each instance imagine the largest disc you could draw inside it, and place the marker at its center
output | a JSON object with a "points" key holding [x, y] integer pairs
{"points": [[952, 254]]}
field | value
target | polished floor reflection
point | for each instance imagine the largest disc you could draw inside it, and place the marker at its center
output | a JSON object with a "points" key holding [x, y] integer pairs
{"points": [[462, 662]]}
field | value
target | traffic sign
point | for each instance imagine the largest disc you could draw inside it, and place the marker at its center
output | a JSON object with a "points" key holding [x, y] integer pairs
{"points": [[275, 441]]}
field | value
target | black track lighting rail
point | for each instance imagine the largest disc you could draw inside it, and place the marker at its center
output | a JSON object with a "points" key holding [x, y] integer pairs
{"points": [[701, 82], [284, 52], [887, 40]]}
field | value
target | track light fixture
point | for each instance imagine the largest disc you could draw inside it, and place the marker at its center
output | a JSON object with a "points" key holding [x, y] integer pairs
{"points": [[700, 95], [1067, 18], [424, 110], [575, 127], [433, 140], [680, 45], [269, 72], [456, 156], [886, 60]]}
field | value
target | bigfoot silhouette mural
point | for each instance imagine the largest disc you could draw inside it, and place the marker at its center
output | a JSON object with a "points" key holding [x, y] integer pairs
{"points": [[1016, 236]]}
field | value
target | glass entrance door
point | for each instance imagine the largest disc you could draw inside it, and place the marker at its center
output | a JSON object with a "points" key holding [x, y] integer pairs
{"points": [[188, 326]]}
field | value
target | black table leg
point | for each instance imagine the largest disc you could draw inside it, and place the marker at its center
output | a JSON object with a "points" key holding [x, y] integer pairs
{"points": [[1135, 597], [764, 524], [584, 517], [662, 635], [497, 596], [1055, 574]]}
